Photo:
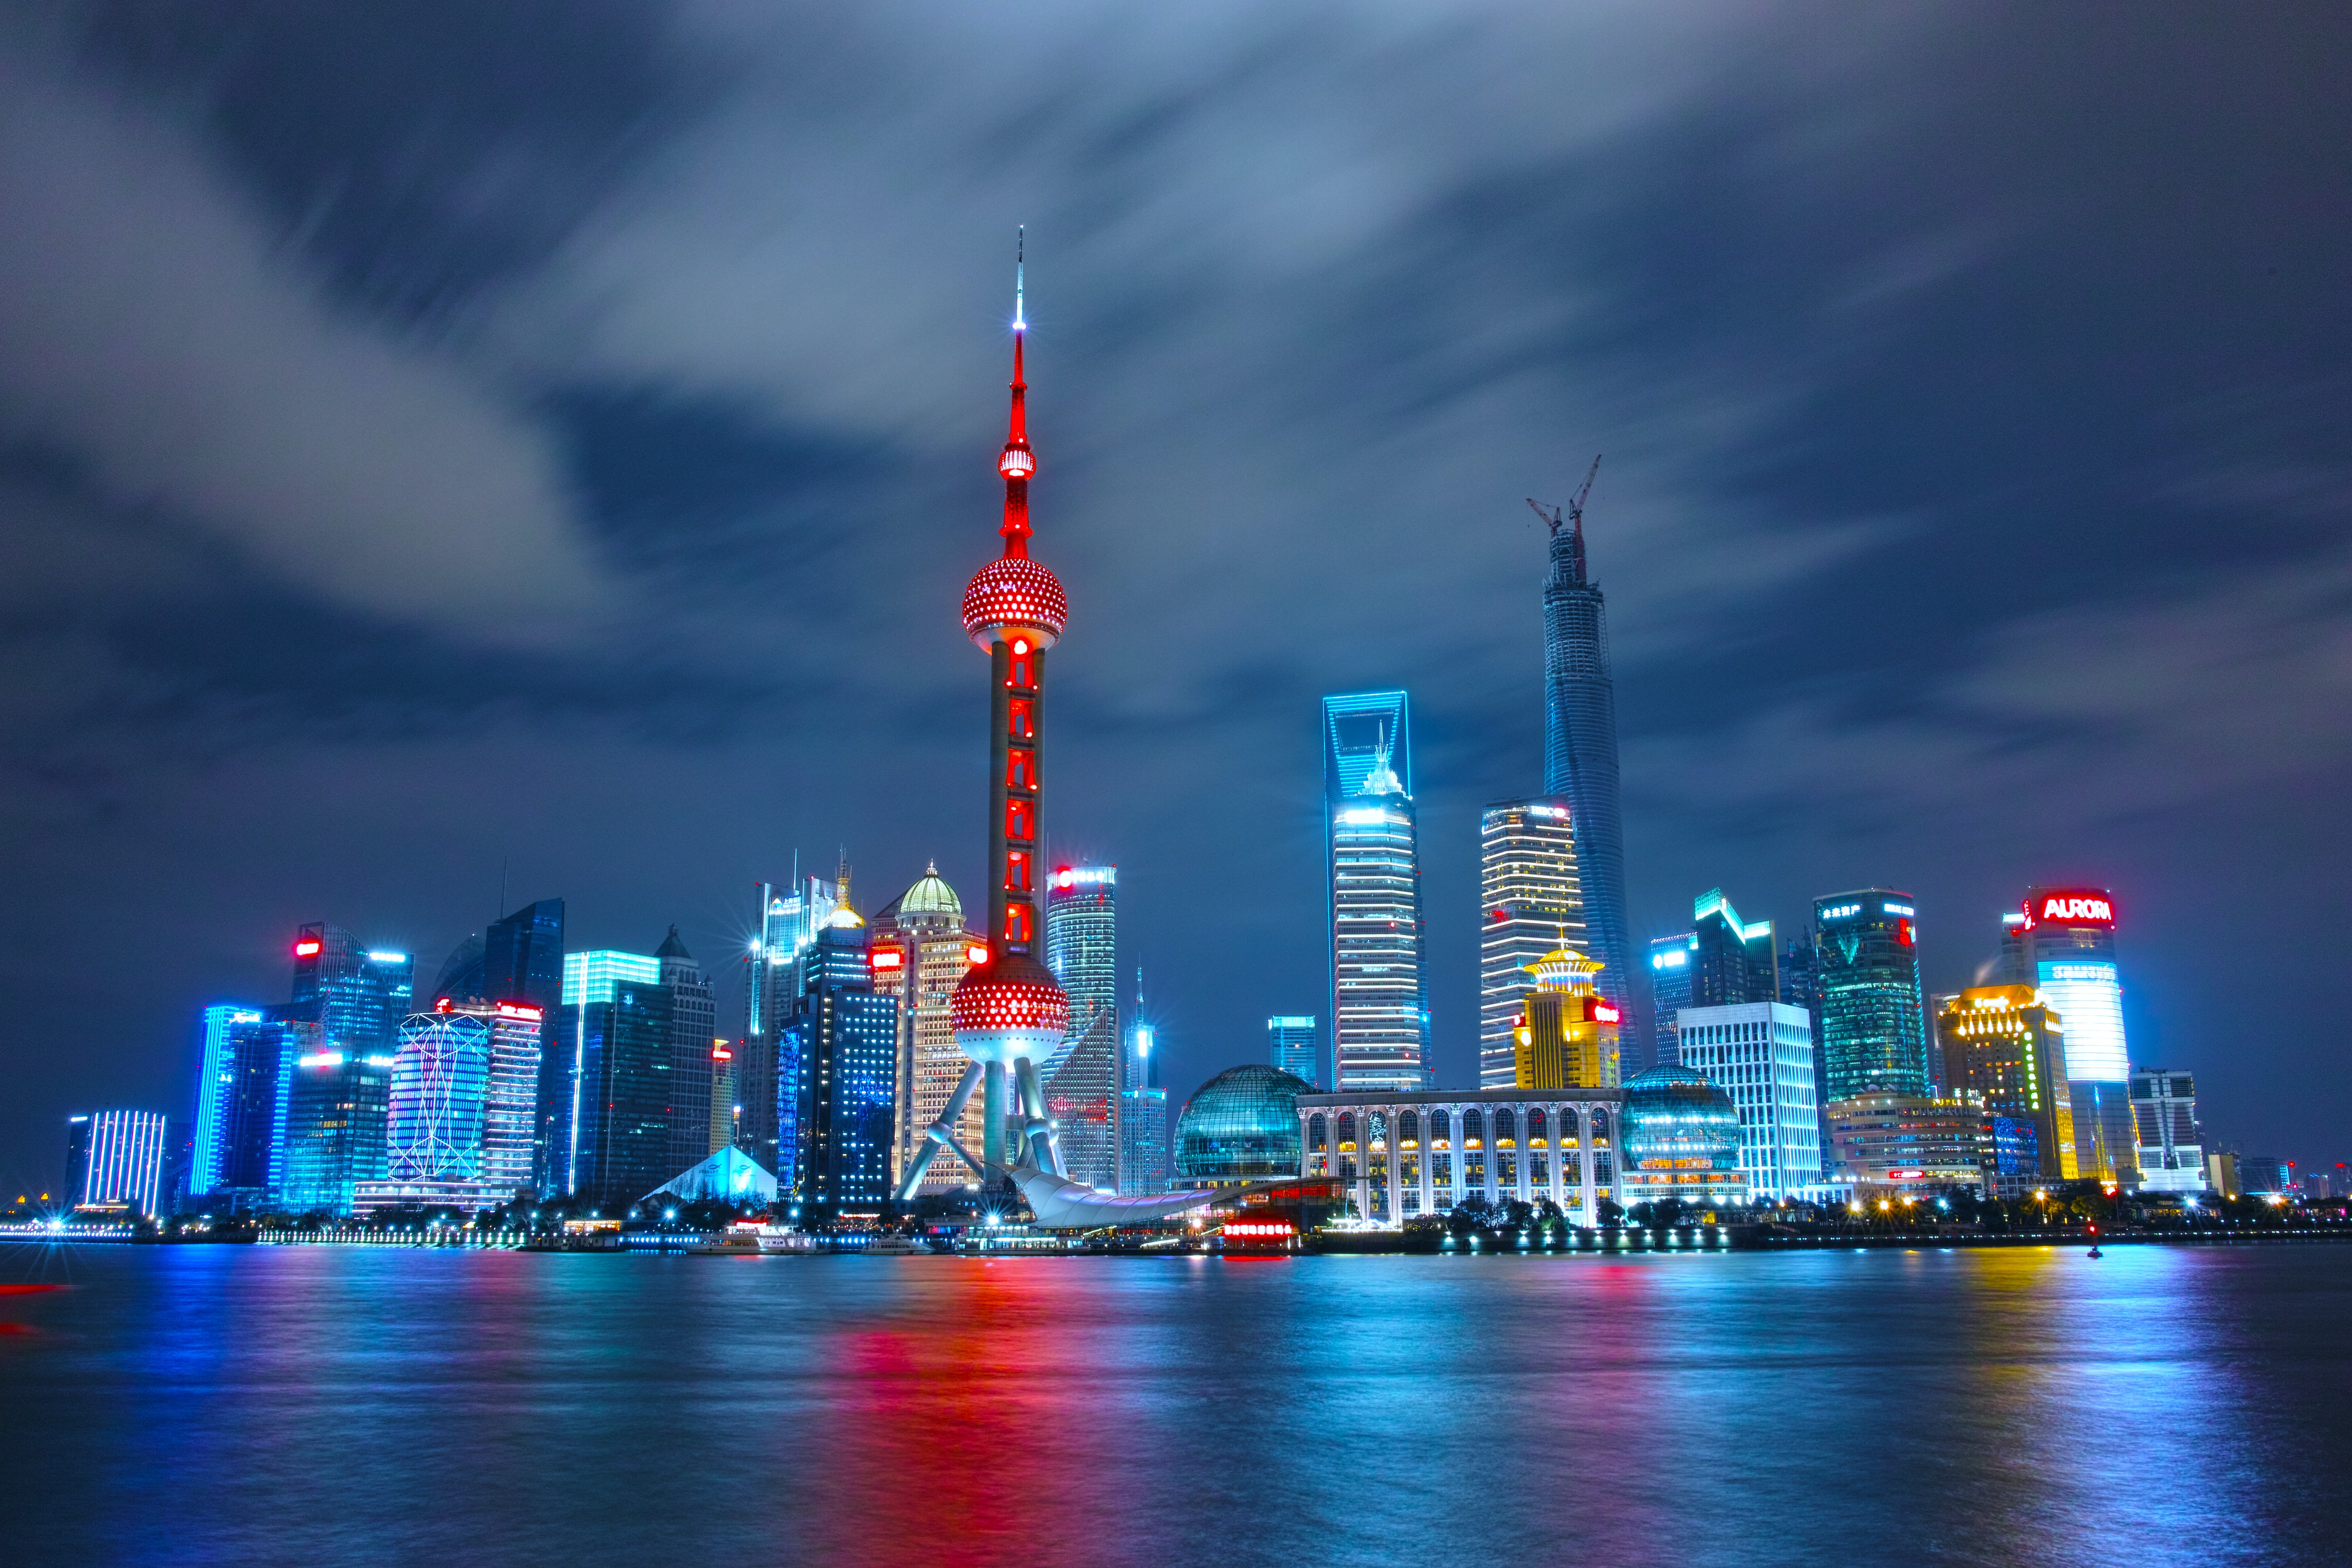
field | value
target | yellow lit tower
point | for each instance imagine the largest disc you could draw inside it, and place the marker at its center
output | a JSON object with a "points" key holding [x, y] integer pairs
{"points": [[1566, 1037]]}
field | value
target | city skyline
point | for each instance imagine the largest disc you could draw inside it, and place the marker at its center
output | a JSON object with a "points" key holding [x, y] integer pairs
{"points": [[256, 725]]}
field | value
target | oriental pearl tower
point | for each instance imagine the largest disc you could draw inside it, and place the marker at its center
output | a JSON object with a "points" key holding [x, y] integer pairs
{"points": [[1009, 1011]]}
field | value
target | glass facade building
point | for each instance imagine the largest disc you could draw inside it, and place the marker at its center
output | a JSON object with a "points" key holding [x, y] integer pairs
{"points": [[1294, 1045], [1530, 903], [335, 1069], [1680, 1137], [1581, 759], [237, 1106], [1241, 1126], [1081, 1079], [693, 1031], [788, 924], [841, 1050], [1761, 1055], [2067, 941], [1379, 1005], [1873, 1019], [607, 1121]]}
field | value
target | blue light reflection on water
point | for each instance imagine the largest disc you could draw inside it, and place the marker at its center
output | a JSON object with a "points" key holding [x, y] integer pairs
{"points": [[2019, 1405]]}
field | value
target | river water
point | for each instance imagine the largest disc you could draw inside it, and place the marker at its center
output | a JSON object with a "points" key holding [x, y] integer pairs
{"points": [[337, 1406]]}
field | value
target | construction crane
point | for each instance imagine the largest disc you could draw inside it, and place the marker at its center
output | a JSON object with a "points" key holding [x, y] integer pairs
{"points": [[1555, 518]]}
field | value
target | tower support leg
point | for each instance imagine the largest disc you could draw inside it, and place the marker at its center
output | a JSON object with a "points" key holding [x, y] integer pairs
{"points": [[993, 1111], [941, 1134], [1043, 1132]]}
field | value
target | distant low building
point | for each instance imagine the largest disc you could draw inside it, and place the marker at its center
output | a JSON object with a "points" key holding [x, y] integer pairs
{"points": [[1906, 1143], [2170, 1149], [115, 1158]]}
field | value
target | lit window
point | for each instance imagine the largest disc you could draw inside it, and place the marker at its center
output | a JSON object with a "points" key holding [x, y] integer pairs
{"points": [[1022, 723], [1016, 870], [1020, 769], [1021, 820]]}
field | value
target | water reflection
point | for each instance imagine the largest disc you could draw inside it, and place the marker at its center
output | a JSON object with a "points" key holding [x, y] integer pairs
{"points": [[2011, 1406]]}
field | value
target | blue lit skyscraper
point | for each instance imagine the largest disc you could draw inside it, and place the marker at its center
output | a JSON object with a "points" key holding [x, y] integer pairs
{"points": [[608, 1122], [1142, 1110], [335, 1069], [1379, 1006], [1873, 1028], [1580, 756], [237, 1106], [1293, 1045], [839, 1056]]}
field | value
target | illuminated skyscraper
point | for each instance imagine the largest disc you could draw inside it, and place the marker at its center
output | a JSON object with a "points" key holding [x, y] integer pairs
{"points": [[116, 1157], [843, 1044], [2005, 1050], [1529, 904], [1082, 1079], [1580, 754], [609, 1137], [1721, 961], [1761, 1053], [1672, 966], [928, 918], [335, 1076], [1379, 1005], [1143, 1109], [461, 1129], [1874, 1014], [1294, 1046], [693, 1030], [2067, 941], [788, 924], [237, 1106]]}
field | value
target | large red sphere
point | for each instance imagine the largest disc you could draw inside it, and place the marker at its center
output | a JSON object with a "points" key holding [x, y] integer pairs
{"points": [[1015, 591], [1010, 1009]]}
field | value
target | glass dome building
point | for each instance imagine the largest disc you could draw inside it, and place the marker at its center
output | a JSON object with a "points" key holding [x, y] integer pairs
{"points": [[1243, 1126], [1679, 1138]]}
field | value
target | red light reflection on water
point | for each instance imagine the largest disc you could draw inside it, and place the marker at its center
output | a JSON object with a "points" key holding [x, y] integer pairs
{"points": [[976, 1390]]}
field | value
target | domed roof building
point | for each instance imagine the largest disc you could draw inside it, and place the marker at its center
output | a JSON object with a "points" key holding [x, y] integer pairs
{"points": [[1679, 1138], [927, 904], [1241, 1126]]}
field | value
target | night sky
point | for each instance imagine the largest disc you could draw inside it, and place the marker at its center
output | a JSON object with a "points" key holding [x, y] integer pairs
{"points": [[556, 433]]}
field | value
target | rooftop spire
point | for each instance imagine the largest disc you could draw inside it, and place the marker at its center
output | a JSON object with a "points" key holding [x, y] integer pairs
{"points": [[1017, 462]]}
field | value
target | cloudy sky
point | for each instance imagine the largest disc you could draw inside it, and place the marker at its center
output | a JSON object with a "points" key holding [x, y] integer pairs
{"points": [[554, 434]]}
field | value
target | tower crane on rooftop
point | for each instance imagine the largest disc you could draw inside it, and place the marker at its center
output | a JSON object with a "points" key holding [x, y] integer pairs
{"points": [[1555, 518]]}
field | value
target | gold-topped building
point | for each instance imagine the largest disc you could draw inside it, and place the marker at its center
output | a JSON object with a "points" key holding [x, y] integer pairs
{"points": [[1567, 1035]]}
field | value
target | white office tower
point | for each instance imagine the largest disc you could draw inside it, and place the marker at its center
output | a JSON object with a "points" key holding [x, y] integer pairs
{"points": [[1761, 1054]]}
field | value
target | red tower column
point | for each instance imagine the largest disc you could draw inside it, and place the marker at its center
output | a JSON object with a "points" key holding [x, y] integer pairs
{"points": [[1012, 1007]]}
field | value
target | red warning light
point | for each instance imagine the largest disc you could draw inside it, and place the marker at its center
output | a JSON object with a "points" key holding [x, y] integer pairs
{"points": [[308, 947]]}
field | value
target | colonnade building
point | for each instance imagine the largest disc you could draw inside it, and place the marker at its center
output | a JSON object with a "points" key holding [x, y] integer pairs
{"points": [[1404, 1154]]}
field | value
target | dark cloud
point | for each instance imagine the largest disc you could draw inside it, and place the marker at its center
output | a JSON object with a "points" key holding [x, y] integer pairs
{"points": [[1972, 513]]}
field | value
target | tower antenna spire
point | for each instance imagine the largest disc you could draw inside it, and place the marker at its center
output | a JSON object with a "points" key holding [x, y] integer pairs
{"points": [[1020, 260]]}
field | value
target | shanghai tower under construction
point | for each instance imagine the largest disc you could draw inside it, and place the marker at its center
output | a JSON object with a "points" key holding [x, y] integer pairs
{"points": [[1581, 749]]}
